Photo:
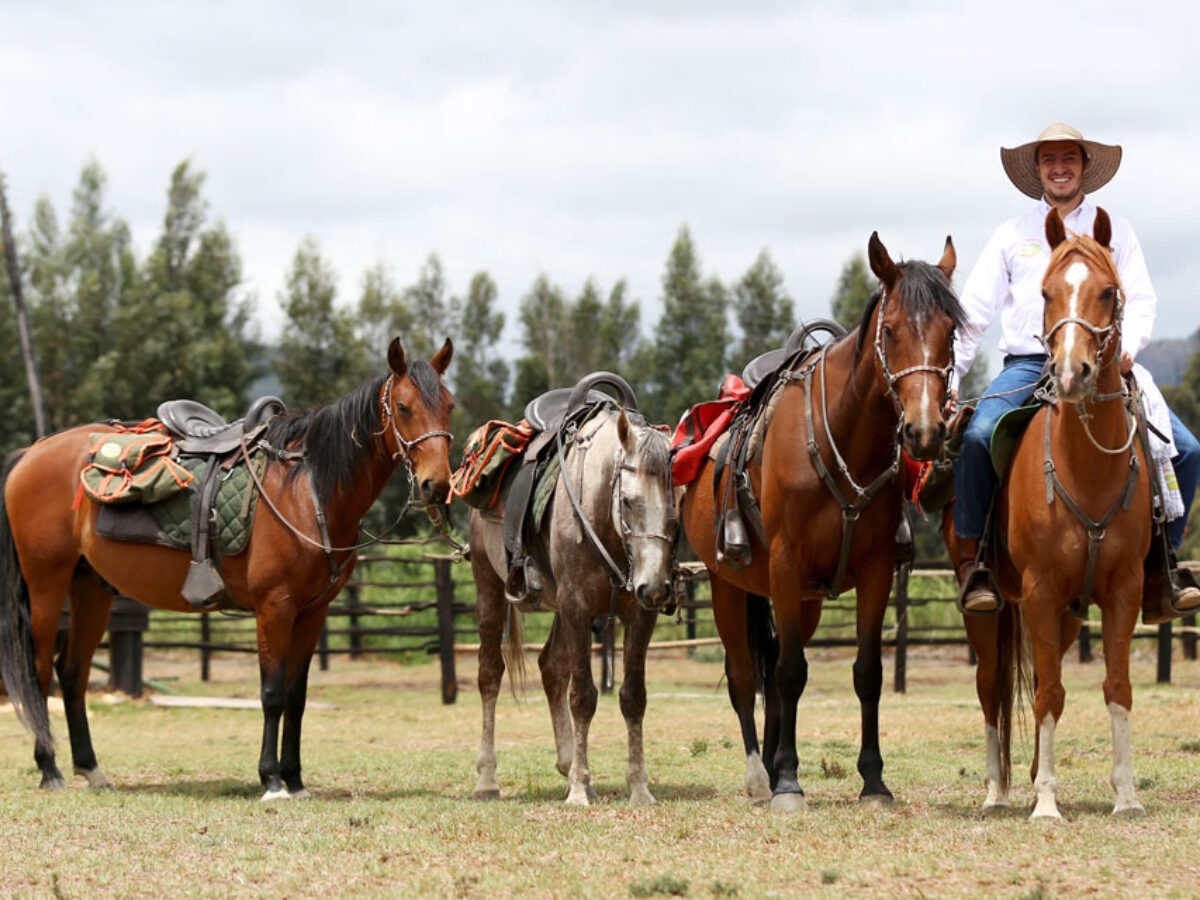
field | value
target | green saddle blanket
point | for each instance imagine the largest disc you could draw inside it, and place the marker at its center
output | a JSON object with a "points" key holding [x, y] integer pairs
{"points": [[1007, 432], [169, 522]]}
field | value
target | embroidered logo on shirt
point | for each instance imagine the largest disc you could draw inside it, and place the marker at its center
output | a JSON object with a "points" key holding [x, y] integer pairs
{"points": [[1031, 247]]}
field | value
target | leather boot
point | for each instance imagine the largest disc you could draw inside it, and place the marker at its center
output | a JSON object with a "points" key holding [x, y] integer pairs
{"points": [[975, 594]]}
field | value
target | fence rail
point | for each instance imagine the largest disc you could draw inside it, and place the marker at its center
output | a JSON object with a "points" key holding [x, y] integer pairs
{"points": [[418, 607]]}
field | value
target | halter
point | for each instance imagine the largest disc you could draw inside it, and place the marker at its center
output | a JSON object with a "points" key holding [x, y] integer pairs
{"points": [[1103, 335]]}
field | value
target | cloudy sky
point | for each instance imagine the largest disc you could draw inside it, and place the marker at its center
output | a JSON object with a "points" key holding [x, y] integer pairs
{"points": [[575, 139]]}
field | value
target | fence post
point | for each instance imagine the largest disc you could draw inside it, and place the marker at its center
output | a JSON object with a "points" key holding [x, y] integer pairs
{"points": [[1164, 653], [901, 682], [445, 617], [205, 646], [323, 648], [1189, 637], [1085, 643], [126, 625], [353, 607]]}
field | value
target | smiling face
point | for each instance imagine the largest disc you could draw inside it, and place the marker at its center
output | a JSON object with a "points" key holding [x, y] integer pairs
{"points": [[1060, 167]]}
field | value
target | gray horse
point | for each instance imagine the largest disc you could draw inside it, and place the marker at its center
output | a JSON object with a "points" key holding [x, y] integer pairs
{"points": [[609, 532]]}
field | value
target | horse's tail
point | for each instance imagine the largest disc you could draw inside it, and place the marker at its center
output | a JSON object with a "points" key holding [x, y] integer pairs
{"points": [[18, 657], [1014, 679], [760, 635], [513, 650]]}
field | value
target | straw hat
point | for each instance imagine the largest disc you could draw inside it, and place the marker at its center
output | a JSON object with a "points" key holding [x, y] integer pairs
{"points": [[1020, 163]]}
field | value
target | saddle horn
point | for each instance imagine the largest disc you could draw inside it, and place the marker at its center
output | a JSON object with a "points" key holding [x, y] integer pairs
{"points": [[580, 392]]}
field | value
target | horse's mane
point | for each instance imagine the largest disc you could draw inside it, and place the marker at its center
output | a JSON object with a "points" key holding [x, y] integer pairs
{"points": [[1093, 252], [655, 455], [338, 438], [924, 290]]}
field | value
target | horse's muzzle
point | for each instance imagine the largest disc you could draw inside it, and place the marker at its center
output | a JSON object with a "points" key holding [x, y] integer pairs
{"points": [[653, 596], [924, 442]]}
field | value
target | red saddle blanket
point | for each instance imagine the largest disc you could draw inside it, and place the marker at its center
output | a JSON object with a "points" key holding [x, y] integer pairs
{"points": [[700, 427]]}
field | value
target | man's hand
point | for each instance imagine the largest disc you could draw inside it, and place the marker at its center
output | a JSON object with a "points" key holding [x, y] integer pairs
{"points": [[951, 404], [1126, 362]]}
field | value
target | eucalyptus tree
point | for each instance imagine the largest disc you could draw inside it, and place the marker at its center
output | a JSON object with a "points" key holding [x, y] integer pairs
{"points": [[764, 312], [480, 374]]}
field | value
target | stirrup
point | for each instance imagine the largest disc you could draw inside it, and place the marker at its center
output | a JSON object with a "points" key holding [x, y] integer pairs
{"points": [[977, 585]]}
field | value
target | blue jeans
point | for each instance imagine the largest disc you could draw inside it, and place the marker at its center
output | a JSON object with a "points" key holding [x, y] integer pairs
{"points": [[1187, 471], [974, 478]]}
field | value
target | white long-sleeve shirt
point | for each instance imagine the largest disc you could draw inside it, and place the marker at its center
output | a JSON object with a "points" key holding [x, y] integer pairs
{"points": [[1006, 282]]}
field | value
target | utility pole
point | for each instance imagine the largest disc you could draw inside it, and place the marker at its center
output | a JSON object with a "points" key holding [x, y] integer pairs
{"points": [[14, 277]]}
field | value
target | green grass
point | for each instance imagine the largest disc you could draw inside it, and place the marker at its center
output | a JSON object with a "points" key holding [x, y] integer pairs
{"points": [[392, 771]]}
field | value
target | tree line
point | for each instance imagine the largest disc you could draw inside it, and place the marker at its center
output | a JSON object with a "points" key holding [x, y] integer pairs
{"points": [[114, 334]]}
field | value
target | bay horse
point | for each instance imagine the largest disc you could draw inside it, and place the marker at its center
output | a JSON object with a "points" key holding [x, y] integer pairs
{"points": [[1073, 524], [327, 466], [826, 479], [614, 482]]}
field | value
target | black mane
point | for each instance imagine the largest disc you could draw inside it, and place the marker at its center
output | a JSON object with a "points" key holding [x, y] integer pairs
{"points": [[924, 290], [339, 439]]}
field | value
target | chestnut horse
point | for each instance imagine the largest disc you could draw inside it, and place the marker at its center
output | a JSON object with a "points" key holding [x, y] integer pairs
{"points": [[1073, 525], [827, 482], [327, 467], [620, 471]]}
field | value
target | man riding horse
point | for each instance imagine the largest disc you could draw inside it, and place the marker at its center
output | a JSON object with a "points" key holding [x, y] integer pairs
{"points": [[1060, 169]]}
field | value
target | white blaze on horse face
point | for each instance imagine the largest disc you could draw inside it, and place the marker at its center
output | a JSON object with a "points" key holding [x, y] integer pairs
{"points": [[1075, 276]]}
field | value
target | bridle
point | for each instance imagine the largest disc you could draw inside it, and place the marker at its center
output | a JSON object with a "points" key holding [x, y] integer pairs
{"points": [[851, 510], [891, 378], [403, 447], [620, 578]]}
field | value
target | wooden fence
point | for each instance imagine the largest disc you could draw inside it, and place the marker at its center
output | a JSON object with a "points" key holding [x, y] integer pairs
{"points": [[407, 608]]}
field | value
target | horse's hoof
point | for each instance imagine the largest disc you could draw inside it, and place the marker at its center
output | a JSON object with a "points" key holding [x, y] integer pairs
{"points": [[53, 784], [642, 798], [995, 807], [276, 794], [95, 778], [1046, 818], [487, 794], [876, 800], [1132, 811], [302, 794], [789, 803], [577, 798]]}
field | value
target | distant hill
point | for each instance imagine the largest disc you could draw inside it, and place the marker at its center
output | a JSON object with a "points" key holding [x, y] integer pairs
{"points": [[1169, 358]]}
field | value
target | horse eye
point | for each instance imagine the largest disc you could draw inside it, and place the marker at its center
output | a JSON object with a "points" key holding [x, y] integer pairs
{"points": [[402, 409], [1110, 294]]}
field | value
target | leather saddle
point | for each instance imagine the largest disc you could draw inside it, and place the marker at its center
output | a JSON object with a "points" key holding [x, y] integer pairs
{"points": [[202, 432], [554, 416]]}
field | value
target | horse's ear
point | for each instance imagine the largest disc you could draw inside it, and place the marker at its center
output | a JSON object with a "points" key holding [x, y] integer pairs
{"points": [[1056, 232], [624, 431], [1102, 229], [949, 259], [441, 359], [397, 361], [881, 263]]}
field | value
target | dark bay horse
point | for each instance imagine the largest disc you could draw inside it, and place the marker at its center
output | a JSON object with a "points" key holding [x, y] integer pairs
{"points": [[620, 471], [826, 481], [1073, 525], [329, 463]]}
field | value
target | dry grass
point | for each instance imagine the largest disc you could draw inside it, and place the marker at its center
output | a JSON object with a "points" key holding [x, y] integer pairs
{"points": [[392, 770]]}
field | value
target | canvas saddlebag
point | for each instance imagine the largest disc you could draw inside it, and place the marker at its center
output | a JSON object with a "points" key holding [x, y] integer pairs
{"points": [[133, 466]]}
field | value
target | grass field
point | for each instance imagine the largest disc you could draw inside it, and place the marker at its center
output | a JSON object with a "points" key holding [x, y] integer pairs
{"points": [[392, 771]]}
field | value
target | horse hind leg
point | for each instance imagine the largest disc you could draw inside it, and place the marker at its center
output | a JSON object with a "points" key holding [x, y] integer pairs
{"points": [[576, 627], [734, 616], [554, 663], [91, 604], [492, 610]]}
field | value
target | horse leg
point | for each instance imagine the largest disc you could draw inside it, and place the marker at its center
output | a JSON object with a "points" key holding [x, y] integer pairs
{"points": [[1117, 628], [639, 626], [275, 622], [91, 603], [873, 593], [555, 667], [46, 601], [984, 636], [730, 613], [1045, 634], [577, 635], [305, 634], [490, 610], [765, 648], [796, 623]]}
